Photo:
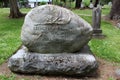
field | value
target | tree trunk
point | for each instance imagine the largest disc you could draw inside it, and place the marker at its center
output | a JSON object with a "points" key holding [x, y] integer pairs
{"points": [[91, 1], [14, 10], [78, 3], [115, 10], [96, 3]]}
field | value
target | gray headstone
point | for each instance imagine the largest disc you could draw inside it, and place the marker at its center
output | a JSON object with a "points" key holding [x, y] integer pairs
{"points": [[52, 29], [96, 22], [110, 4], [91, 5], [82, 5], [118, 25], [117, 74]]}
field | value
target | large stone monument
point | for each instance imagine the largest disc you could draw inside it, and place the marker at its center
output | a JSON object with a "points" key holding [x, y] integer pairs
{"points": [[55, 43]]}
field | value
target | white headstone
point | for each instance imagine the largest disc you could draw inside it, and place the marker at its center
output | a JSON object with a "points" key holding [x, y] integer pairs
{"points": [[110, 4], [91, 5], [82, 5]]}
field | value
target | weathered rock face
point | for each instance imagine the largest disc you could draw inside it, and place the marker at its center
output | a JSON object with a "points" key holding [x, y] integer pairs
{"points": [[54, 40], [52, 29], [78, 64]]}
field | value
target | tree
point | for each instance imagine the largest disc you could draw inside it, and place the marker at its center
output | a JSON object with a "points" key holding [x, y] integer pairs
{"points": [[91, 1], [14, 10], [96, 3], [115, 10], [78, 3]]}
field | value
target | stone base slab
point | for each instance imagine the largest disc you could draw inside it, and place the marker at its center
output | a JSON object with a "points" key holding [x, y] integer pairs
{"points": [[78, 64]]}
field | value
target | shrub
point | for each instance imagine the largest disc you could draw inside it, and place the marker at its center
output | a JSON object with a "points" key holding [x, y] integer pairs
{"points": [[86, 3], [42, 3], [104, 1], [0, 4]]}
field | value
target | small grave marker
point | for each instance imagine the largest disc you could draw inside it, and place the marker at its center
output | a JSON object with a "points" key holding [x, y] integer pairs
{"points": [[97, 32]]}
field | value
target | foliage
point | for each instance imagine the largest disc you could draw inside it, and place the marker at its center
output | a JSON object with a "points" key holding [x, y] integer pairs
{"points": [[64, 3], [86, 12], [23, 2], [58, 2], [42, 3], [10, 77], [0, 4], [86, 3], [111, 78], [105, 1]]}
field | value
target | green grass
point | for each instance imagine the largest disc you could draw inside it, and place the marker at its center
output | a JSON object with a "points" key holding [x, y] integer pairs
{"points": [[85, 12], [3, 77], [107, 48], [9, 34], [10, 77], [111, 78], [106, 10]]}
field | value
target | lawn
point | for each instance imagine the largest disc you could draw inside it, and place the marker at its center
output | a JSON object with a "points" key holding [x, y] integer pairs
{"points": [[9, 34], [107, 48]]}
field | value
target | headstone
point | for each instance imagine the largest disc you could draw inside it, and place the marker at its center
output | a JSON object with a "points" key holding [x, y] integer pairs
{"points": [[91, 5], [110, 4], [55, 43], [117, 74], [118, 25], [82, 5], [96, 22], [51, 29], [18, 4]]}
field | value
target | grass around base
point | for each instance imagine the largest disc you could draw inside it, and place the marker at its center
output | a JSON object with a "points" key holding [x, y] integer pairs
{"points": [[10, 29], [4, 77]]}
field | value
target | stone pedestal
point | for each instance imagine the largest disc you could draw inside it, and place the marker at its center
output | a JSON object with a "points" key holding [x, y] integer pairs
{"points": [[81, 63], [97, 33]]}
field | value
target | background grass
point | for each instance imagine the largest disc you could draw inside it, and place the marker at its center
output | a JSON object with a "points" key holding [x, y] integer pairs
{"points": [[9, 34], [107, 48]]}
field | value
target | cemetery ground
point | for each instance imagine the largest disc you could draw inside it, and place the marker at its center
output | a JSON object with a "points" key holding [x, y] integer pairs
{"points": [[106, 50]]}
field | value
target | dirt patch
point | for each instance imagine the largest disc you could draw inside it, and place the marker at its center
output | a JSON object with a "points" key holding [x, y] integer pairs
{"points": [[106, 72]]}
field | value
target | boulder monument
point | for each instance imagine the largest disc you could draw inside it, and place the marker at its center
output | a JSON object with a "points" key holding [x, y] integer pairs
{"points": [[55, 43]]}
